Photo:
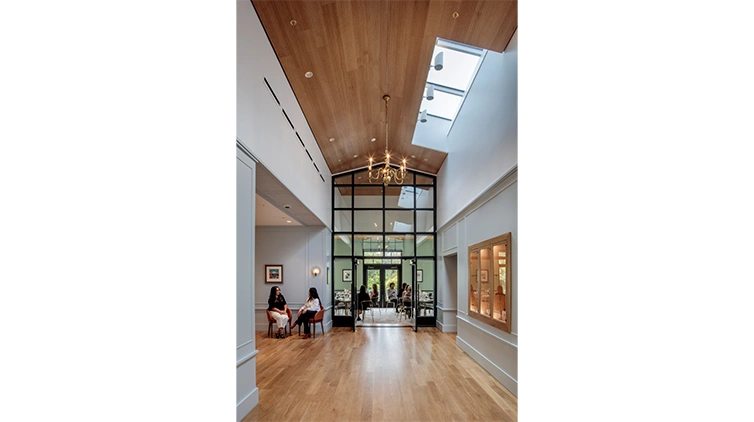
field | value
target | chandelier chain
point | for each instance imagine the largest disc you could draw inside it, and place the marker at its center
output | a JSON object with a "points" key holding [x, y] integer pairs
{"points": [[386, 174]]}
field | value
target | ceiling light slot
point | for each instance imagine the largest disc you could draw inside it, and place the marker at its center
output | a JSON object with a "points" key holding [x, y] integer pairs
{"points": [[271, 91], [323, 179], [310, 156], [315, 166], [300, 140]]}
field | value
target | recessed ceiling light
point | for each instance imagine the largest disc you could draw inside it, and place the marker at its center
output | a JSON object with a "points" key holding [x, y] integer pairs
{"points": [[339, 160], [355, 155], [455, 15], [288, 221], [293, 23], [413, 156], [332, 139], [426, 159], [308, 75], [286, 206], [359, 177], [374, 139]]}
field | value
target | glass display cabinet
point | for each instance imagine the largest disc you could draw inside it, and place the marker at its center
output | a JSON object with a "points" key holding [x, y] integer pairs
{"points": [[490, 281]]}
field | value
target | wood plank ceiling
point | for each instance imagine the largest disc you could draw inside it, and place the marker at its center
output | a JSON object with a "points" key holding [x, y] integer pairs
{"points": [[359, 51]]}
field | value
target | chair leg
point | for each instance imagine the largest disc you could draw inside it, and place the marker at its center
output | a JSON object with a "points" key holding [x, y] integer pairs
{"points": [[269, 330], [314, 330]]}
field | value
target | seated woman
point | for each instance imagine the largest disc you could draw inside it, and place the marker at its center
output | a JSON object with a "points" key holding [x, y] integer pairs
{"points": [[363, 301], [392, 296], [278, 310], [374, 295], [407, 300], [310, 308]]}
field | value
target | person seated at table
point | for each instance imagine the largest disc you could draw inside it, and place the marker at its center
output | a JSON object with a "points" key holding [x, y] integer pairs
{"points": [[310, 308], [407, 300], [374, 295], [392, 296], [363, 301]]}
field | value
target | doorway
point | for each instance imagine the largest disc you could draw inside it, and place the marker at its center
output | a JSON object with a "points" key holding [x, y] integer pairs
{"points": [[383, 312]]}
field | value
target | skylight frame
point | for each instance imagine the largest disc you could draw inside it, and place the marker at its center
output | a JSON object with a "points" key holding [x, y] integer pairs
{"points": [[461, 48]]}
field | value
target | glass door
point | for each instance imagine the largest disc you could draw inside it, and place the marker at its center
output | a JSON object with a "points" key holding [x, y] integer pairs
{"points": [[384, 277], [414, 295], [354, 295]]}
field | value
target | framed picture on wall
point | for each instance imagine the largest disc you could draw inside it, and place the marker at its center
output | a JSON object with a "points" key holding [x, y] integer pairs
{"points": [[347, 276], [485, 276], [273, 273], [419, 276]]}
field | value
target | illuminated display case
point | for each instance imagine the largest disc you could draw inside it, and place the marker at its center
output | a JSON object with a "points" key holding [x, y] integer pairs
{"points": [[490, 281]]}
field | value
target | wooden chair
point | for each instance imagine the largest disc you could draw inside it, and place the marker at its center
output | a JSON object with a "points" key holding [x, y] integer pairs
{"points": [[318, 317], [271, 321], [366, 308], [389, 303]]}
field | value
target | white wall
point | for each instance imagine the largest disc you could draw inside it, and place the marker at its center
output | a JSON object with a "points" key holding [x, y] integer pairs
{"points": [[478, 200], [447, 293], [483, 143], [247, 394], [261, 126], [298, 250], [493, 214]]}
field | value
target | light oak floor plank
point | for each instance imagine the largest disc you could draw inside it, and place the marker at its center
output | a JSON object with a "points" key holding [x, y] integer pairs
{"points": [[375, 374]]}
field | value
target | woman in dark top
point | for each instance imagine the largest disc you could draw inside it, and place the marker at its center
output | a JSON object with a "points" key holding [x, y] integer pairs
{"points": [[278, 310], [363, 301]]}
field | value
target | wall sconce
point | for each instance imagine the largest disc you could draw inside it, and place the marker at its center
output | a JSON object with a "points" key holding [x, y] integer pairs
{"points": [[315, 271], [423, 116]]}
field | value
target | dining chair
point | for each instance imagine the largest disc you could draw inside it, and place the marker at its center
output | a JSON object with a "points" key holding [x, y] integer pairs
{"points": [[318, 317], [272, 320], [366, 308]]}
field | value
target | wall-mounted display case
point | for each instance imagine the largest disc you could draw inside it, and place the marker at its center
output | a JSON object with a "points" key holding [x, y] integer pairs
{"points": [[490, 281]]}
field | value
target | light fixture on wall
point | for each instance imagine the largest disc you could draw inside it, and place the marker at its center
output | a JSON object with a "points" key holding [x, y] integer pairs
{"points": [[387, 174], [430, 93], [315, 271], [438, 62], [423, 116]]}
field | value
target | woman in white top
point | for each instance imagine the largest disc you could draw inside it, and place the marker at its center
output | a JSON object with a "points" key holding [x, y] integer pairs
{"points": [[310, 308]]}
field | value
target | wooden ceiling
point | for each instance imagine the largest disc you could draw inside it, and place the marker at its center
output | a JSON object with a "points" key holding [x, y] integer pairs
{"points": [[359, 51]]}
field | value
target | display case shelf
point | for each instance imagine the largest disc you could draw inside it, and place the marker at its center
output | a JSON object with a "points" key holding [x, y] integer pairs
{"points": [[490, 281]]}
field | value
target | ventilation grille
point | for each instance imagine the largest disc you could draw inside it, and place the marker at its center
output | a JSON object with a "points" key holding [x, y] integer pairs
{"points": [[286, 118], [271, 91], [275, 97]]}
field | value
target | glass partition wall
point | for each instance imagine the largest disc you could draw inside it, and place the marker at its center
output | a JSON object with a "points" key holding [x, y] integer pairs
{"points": [[384, 236]]}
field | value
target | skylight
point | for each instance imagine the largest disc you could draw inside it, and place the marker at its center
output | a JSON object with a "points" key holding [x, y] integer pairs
{"points": [[458, 68], [460, 65], [444, 105]]}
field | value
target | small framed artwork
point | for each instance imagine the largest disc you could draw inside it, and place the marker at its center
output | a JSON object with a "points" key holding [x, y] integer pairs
{"points": [[273, 273], [419, 276], [347, 276], [485, 276]]}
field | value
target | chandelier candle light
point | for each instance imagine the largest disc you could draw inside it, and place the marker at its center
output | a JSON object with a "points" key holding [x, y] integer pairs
{"points": [[386, 174]]}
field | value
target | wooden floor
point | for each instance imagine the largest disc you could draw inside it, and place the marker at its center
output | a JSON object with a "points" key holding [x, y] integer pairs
{"points": [[375, 374]]}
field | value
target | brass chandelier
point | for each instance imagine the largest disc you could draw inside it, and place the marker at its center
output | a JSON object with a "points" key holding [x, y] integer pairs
{"points": [[387, 174]]}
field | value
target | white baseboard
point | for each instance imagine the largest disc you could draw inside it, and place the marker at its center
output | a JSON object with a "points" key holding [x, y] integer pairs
{"points": [[247, 404], [447, 328], [506, 380]]}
